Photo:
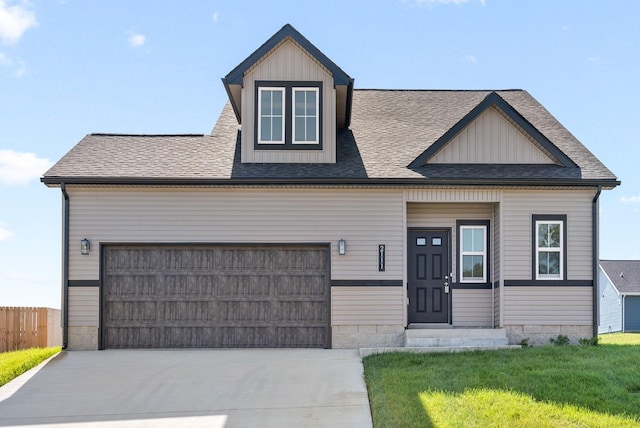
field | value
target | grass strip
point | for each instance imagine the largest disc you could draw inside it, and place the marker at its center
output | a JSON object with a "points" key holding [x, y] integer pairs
{"points": [[544, 386], [14, 363]]}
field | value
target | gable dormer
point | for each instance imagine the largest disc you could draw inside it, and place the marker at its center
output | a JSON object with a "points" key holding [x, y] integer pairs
{"points": [[291, 100], [493, 132]]}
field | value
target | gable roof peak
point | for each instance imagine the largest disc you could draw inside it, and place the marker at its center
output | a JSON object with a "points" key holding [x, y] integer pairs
{"points": [[493, 99]]}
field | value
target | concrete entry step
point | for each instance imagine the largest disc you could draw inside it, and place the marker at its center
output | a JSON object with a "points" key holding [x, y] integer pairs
{"points": [[455, 337]]}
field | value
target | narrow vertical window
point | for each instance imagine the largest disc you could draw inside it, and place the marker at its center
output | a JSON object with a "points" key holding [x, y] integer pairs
{"points": [[473, 253], [270, 115], [305, 115], [549, 249]]}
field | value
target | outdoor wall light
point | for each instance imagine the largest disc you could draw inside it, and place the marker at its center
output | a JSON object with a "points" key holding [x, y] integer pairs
{"points": [[342, 247], [85, 247]]}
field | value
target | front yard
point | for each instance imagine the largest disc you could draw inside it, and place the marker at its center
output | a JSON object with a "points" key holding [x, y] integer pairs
{"points": [[551, 386]]}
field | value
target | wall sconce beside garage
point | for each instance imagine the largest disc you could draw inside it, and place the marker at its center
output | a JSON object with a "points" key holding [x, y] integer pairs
{"points": [[85, 247], [342, 247]]}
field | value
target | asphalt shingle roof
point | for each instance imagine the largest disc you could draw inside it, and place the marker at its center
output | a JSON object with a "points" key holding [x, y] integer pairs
{"points": [[625, 274], [389, 129]]}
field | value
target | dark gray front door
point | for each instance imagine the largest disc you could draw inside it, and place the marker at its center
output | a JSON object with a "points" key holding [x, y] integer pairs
{"points": [[428, 271]]}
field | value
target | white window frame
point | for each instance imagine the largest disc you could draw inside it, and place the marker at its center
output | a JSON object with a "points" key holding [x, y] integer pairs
{"points": [[293, 113], [282, 90], [559, 250], [482, 253]]}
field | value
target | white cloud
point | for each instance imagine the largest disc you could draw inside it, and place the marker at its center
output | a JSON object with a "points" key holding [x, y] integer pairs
{"points": [[216, 16], [5, 234], [630, 199], [15, 20], [471, 58], [5, 60], [18, 168], [136, 40]]}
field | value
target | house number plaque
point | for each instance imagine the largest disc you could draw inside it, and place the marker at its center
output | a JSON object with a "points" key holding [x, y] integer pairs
{"points": [[381, 257]]}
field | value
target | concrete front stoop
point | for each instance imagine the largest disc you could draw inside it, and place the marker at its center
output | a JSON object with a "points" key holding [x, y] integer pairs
{"points": [[420, 340]]}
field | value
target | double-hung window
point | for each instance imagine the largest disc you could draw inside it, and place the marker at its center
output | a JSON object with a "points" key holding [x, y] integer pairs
{"points": [[549, 248], [271, 119], [288, 115], [473, 254], [305, 121]]}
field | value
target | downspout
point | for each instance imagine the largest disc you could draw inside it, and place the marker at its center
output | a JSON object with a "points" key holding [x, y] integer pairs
{"points": [[65, 267], [595, 221]]}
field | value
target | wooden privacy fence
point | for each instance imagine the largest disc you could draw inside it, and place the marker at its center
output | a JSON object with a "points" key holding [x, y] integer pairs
{"points": [[23, 328]]}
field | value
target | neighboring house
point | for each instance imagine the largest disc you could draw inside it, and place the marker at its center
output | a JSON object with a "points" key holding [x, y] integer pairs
{"points": [[619, 298], [317, 215]]}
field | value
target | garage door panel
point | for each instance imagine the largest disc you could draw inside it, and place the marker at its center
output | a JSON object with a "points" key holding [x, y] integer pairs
{"points": [[174, 296]]}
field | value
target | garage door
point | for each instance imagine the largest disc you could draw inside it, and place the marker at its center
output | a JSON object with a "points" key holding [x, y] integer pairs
{"points": [[215, 296]]}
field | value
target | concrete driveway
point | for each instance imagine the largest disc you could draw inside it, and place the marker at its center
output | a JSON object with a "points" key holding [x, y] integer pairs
{"points": [[212, 388]]}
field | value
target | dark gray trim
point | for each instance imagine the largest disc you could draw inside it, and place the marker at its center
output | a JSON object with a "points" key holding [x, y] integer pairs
{"points": [[84, 283], [65, 267], [494, 99], [288, 115], [496, 284], [534, 248], [366, 283], [595, 257], [267, 181], [235, 76], [471, 286], [487, 266], [550, 283]]}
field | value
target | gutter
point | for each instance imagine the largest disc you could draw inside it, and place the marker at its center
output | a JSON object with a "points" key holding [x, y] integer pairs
{"points": [[269, 181], [65, 267], [595, 222]]}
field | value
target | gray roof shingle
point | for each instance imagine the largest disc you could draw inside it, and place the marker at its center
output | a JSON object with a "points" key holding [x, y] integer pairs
{"points": [[625, 274], [389, 129]]}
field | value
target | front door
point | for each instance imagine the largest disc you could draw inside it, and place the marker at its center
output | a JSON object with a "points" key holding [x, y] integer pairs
{"points": [[428, 276]]}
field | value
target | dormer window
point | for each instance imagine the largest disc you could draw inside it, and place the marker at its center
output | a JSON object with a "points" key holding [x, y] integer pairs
{"points": [[288, 115]]}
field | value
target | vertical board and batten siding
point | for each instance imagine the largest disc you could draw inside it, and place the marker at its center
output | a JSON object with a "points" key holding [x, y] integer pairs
{"points": [[491, 138], [519, 206], [363, 218], [553, 305], [469, 307], [289, 62]]}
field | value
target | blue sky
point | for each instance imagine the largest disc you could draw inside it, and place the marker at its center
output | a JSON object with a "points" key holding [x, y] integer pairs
{"points": [[72, 67]]}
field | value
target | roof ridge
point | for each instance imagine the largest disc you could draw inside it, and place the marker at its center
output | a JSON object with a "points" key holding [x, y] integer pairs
{"points": [[101, 134], [436, 90]]}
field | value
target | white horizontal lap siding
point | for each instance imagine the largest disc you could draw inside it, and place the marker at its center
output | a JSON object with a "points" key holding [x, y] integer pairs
{"points": [[364, 218], [366, 306], [472, 308], [288, 62], [83, 305], [519, 206], [548, 305], [444, 215]]}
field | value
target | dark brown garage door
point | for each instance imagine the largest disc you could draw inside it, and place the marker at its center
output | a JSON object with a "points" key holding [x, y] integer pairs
{"points": [[215, 296]]}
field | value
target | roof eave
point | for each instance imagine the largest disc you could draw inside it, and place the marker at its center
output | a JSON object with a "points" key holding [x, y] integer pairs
{"points": [[54, 181]]}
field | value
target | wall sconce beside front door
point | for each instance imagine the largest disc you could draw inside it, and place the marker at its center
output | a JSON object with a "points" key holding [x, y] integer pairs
{"points": [[85, 247], [342, 247]]}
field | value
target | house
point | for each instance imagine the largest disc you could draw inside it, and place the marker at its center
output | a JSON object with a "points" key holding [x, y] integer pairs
{"points": [[619, 296], [318, 215]]}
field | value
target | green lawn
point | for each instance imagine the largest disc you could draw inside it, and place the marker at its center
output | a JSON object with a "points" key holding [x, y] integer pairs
{"points": [[13, 364], [620, 339], [551, 386]]}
